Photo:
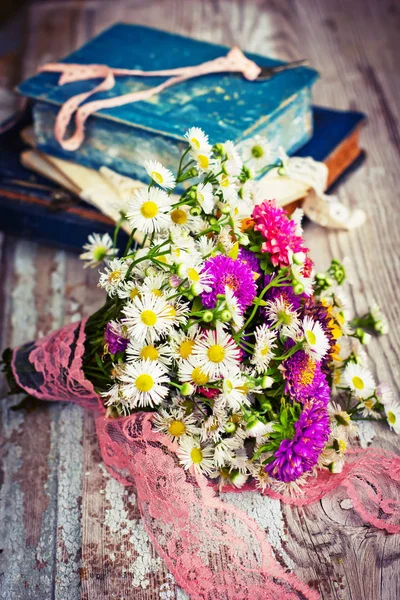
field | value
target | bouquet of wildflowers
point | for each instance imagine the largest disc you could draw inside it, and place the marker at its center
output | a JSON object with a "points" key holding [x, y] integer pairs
{"points": [[218, 326], [218, 344]]}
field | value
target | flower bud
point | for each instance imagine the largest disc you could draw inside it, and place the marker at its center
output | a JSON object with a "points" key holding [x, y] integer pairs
{"points": [[299, 258], [208, 316], [225, 316], [196, 289], [195, 211], [298, 288], [230, 427], [187, 389], [267, 382]]}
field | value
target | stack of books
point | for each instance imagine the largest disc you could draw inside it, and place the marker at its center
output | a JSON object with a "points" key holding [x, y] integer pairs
{"points": [[45, 189]]}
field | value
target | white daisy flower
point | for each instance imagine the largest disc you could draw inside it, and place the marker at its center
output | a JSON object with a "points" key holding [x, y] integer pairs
{"points": [[233, 164], [238, 479], [182, 218], [384, 393], [234, 390], [199, 280], [98, 248], [129, 289], [379, 320], [160, 353], [225, 450], [284, 317], [232, 305], [190, 371], [216, 352], [113, 275], [175, 423], [341, 418], [192, 454], [228, 188], [149, 210], [114, 397], [155, 284], [160, 174], [316, 342], [263, 348], [248, 193], [144, 383], [213, 428], [149, 317], [205, 246], [257, 153], [367, 408], [393, 416], [205, 197], [198, 140], [360, 380], [182, 343]]}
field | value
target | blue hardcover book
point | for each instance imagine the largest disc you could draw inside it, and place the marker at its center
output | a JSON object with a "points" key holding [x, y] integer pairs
{"points": [[34, 207], [225, 105]]}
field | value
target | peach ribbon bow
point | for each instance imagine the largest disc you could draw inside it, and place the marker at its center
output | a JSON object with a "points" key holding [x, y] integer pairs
{"points": [[234, 62]]}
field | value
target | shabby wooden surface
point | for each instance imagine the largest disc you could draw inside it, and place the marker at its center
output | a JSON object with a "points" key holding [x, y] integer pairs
{"points": [[68, 530]]}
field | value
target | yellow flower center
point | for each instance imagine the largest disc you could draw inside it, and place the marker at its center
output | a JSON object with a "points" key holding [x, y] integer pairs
{"points": [[162, 259], [193, 275], [311, 338], [228, 385], [133, 293], [186, 348], [199, 378], [342, 446], [224, 181], [149, 209], [200, 197], [157, 177], [203, 161], [196, 455], [157, 292], [115, 276], [149, 353], [176, 428], [216, 353], [265, 351], [358, 383], [144, 383], [179, 216], [307, 374], [171, 311], [368, 404], [391, 417], [149, 318], [195, 143]]}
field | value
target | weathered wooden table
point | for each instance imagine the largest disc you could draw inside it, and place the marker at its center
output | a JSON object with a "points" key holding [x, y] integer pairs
{"points": [[68, 530]]}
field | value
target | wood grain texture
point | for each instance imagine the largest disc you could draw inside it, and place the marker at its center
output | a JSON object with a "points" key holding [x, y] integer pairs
{"points": [[69, 531]]}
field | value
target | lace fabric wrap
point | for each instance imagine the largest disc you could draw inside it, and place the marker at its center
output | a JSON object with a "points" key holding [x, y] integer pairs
{"points": [[214, 550]]}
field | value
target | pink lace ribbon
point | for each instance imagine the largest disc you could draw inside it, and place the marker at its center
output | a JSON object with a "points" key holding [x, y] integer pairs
{"points": [[214, 550], [234, 62]]}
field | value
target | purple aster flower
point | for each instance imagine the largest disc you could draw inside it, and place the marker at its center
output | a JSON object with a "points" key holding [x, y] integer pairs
{"points": [[304, 378], [249, 259], [300, 454], [227, 272], [114, 337]]}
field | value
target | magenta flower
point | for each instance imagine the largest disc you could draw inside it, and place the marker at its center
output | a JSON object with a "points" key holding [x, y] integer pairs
{"points": [[225, 272], [304, 379], [114, 338], [278, 231], [300, 454]]}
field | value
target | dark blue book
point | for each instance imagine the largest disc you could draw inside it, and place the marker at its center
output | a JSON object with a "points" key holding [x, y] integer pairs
{"points": [[34, 207]]}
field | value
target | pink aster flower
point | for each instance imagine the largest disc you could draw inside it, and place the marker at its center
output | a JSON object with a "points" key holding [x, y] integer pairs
{"points": [[278, 231]]}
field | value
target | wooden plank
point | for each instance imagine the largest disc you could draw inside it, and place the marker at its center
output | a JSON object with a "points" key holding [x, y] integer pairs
{"points": [[53, 513]]}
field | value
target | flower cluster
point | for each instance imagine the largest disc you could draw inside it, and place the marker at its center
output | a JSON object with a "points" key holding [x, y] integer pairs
{"points": [[218, 325]]}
